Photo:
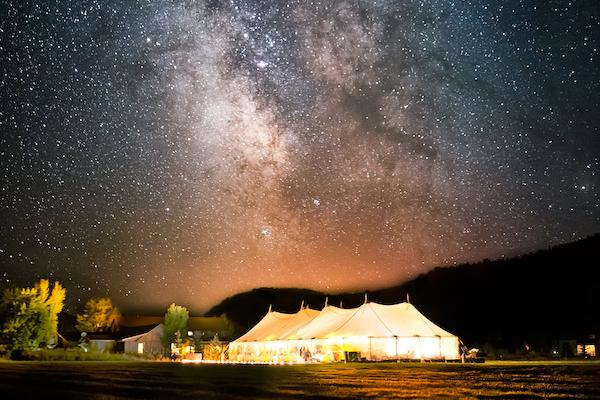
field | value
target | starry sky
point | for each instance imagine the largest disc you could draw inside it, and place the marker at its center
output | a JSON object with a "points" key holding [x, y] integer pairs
{"points": [[167, 150]]}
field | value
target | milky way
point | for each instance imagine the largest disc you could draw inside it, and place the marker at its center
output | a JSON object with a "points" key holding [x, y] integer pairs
{"points": [[159, 151]]}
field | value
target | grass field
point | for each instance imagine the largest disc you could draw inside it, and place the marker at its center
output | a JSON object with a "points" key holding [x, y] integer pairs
{"points": [[164, 380]]}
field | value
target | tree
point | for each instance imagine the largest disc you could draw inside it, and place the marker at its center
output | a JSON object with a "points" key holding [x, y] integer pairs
{"points": [[176, 319], [29, 316], [99, 315], [214, 349], [54, 302]]}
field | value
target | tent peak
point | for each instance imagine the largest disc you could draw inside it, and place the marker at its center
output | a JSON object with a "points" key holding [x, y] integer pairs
{"points": [[366, 298]]}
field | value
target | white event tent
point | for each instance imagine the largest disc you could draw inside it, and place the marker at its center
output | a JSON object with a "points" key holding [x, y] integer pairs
{"points": [[372, 331]]}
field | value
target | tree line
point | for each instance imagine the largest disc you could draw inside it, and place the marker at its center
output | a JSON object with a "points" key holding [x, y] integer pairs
{"points": [[29, 318]]}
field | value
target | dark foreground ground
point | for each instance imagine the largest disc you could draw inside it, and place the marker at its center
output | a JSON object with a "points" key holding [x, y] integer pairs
{"points": [[165, 380]]}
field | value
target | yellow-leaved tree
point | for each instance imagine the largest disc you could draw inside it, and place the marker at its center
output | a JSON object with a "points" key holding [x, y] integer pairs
{"points": [[29, 316], [99, 315], [54, 301]]}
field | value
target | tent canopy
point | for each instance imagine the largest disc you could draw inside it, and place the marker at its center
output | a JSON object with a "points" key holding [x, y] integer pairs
{"points": [[372, 331], [279, 326], [369, 320]]}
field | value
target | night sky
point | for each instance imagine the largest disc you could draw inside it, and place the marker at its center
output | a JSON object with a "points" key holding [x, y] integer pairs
{"points": [[159, 151]]}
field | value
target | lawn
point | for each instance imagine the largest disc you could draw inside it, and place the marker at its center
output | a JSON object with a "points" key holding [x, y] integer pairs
{"points": [[124, 380]]}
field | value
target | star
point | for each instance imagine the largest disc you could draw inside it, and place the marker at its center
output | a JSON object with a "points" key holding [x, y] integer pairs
{"points": [[140, 138]]}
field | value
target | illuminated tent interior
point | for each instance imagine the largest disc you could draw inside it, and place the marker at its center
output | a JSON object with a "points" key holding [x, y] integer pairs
{"points": [[373, 331]]}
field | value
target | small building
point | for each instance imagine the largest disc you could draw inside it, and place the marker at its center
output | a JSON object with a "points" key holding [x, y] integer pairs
{"points": [[588, 346], [139, 337], [149, 341], [584, 346], [102, 342]]}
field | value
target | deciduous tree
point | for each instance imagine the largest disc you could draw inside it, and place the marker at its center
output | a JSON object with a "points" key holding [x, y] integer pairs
{"points": [[54, 302], [29, 316], [214, 350], [176, 320], [99, 315]]}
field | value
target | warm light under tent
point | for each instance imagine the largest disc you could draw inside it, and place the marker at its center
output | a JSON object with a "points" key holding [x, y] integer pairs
{"points": [[373, 331]]}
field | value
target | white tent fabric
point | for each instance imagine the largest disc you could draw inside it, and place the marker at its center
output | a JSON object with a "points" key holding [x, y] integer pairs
{"points": [[328, 320], [279, 326], [405, 320], [372, 331], [300, 319], [266, 326]]}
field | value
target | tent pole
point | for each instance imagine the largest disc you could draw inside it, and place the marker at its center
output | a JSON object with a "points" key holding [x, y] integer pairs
{"points": [[370, 355]]}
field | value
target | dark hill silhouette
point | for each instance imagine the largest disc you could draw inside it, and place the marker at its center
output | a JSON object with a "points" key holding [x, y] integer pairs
{"points": [[536, 298], [246, 309]]}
